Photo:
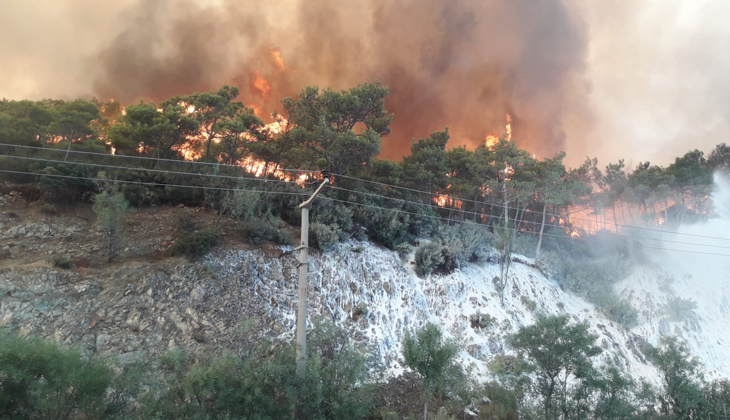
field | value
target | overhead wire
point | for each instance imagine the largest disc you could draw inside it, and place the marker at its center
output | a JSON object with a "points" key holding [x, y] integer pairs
{"points": [[432, 206], [145, 169], [188, 162], [341, 201], [466, 200], [154, 184], [487, 227], [474, 213]]}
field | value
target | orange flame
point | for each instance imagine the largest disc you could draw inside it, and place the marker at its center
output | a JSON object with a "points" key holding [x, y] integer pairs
{"points": [[508, 127], [491, 141], [443, 200], [508, 172], [276, 57], [259, 86]]}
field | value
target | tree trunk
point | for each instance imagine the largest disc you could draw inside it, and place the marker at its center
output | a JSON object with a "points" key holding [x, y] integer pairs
{"points": [[613, 210], [542, 228], [68, 150], [425, 410], [475, 207], [631, 214], [506, 210]]}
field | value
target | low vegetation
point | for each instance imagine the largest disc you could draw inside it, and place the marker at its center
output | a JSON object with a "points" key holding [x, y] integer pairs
{"points": [[555, 374]]}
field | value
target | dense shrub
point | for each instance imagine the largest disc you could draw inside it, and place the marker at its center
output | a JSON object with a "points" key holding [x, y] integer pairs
{"points": [[49, 209], [678, 309], [332, 213], [525, 245], [481, 321], [62, 261], [265, 385], [257, 232], [243, 205], [195, 244], [323, 237], [466, 242], [618, 310], [403, 250], [39, 379], [57, 188], [429, 255]]}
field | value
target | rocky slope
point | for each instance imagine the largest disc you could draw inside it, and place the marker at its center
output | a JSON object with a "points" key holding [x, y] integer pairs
{"points": [[142, 306]]}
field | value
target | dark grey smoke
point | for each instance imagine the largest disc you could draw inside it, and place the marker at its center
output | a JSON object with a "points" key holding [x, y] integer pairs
{"points": [[461, 63]]}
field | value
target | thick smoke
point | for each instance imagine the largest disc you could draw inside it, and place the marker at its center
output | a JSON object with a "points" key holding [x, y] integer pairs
{"points": [[459, 63], [612, 79]]}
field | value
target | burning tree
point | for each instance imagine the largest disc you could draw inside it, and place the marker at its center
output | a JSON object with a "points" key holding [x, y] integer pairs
{"points": [[159, 132], [215, 111], [326, 123]]}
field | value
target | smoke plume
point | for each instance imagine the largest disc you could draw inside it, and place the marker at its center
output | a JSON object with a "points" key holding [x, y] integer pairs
{"points": [[457, 63]]}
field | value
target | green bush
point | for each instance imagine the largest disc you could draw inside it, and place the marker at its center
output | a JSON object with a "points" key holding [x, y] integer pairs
{"points": [[186, 222], [525, 245], [432, 357], [618, 310], [332, 213], [529, 303], [429, 255], [265, 385], [39, 379], [403, 249], [481, 321], [466, 242], [361, 309], [678, 309], [194, 245], [323, 237], [49, 209], [257, 232], [62, 261], [243, 205]]}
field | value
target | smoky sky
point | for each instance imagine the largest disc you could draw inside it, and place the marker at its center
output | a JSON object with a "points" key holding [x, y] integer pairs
{"points": [[573, 74]]}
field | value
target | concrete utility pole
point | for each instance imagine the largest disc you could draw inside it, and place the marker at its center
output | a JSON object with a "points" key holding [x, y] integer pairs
{"points": [[304, 283]]}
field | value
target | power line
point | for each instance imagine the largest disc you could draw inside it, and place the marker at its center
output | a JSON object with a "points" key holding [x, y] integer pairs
{"points": [[474, 213], [545, 234], [338, 200], [519, 209], [144, 169], [154, 184], [145, 158], [453, 198], [432, 206]]}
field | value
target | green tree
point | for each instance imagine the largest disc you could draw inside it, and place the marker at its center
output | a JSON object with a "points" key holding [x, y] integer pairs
{"points": [[432, 358], [39, 379], [552, 188], [237, 134], [213, 110], [110, 209], [159, 132], [716, 400], [615, 183], [557, 354], [265, 385], [681, 396], [71, 121], [327, 124], [719, 158], [616, 400], [426, 167]]}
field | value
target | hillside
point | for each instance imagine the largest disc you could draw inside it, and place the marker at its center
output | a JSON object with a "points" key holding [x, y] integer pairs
{"points": [[146, 303]]}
